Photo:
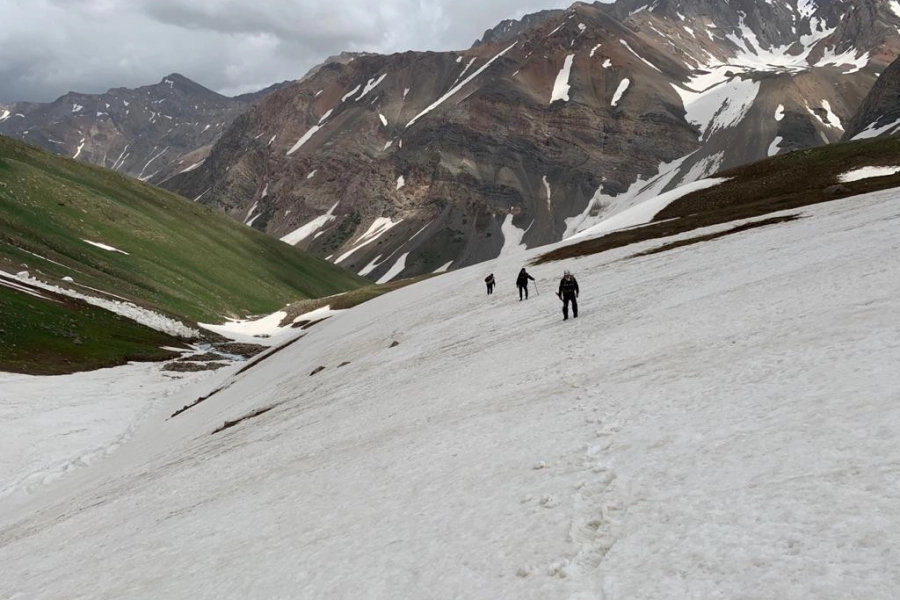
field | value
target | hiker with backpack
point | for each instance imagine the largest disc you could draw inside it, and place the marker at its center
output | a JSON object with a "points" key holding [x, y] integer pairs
{"points": [[568, 292], [522, 283], [489, 280]]}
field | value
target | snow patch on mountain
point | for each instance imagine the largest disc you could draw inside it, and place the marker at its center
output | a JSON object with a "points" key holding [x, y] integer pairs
{"points": [[304, 231], [512, 238], [594, 50], [371, 266], [379, 227], [304, 138], [602, 205], [401, 181], [703, 168], [644, 212], [106, 247], [779, 112], [872, 130], [620, 91], [395, 270], [4, 116], [384, 120], [460, 85], [719, 106], [867, 173], [775, 146], [371, 85], [192, 167], [641, 58], [80, 146], [561, 85], [351, 93]]}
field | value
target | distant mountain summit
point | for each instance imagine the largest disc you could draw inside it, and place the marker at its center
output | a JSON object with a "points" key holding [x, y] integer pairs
{"points": [[150, 132]]}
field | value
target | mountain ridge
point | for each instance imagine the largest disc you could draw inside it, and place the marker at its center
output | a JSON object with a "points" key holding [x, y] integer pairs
{"points": [[405, 163]]}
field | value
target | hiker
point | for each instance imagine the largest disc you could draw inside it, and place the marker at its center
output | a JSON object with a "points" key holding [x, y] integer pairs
{"points": [[568, 292], [489, 280], [522, 283]]}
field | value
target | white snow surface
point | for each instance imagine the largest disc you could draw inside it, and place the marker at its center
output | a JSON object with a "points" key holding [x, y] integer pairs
{"points": [[867, 172], [304, 138], [379, 227], [304, 231], [872, 130], [193, 166], [620, 91], [779, 112], [401, 181], [395, 269], [775, 146], [371, 85], [561, 85], [258, 331], [639, 57], [47, 435], [4, 116], [80, 146], [720, 105], [512, 238], [384, 120], [721, 421]]}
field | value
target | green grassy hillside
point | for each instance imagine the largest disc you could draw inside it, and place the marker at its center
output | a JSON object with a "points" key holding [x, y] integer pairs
{"points": [[182, 258], [43, 333]]}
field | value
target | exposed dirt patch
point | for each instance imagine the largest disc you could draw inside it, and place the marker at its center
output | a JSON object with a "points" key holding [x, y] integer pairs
{"points": [[721, 234], [268, 354], [240, 349], [199, 400], [193, 367], [252, 415]]}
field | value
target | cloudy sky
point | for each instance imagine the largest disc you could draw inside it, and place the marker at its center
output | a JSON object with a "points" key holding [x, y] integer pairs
{"points": [[48, 47]]}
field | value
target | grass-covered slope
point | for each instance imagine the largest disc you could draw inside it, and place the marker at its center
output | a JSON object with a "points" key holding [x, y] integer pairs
{"points": [[779, 183], [42, 333], [182, 258]]}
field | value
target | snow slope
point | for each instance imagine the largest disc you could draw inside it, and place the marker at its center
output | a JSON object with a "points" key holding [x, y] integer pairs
{"points": [[721, 421]]}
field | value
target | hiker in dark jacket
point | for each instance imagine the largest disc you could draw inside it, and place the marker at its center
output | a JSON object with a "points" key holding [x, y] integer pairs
{"points": [[489, 280], [568, 292], [522, 283]]}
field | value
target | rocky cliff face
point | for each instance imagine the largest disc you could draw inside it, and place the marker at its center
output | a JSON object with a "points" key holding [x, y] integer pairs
{"points": [[879, 114], [404, 164], [150, 132]]}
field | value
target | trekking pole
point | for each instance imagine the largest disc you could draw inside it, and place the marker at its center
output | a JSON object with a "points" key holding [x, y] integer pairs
{"points": [[536, 292]]}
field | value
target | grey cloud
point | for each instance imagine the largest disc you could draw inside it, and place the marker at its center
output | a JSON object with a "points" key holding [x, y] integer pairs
{"points": [[48, 47]]}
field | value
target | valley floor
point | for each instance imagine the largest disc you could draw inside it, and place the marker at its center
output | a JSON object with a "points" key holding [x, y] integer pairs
{"points": [[721, 421]]}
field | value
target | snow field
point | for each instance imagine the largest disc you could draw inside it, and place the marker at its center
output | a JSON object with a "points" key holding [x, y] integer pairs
{"points": [[722, 420]]}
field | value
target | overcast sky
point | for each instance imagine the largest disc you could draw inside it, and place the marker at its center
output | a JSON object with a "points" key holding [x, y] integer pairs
{"points": [[49, 47]]}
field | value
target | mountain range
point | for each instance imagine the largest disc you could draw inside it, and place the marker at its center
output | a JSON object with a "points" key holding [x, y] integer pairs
{"points": [[404, 164], [150, 132]]}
